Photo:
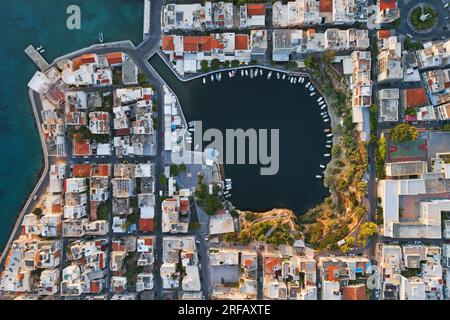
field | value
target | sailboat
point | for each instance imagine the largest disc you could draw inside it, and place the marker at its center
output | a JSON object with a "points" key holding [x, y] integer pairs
{"points": [[100, 37]]}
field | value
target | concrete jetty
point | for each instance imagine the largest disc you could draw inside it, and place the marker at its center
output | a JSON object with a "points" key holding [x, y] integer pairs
{"points": [[37, 58], [146, 19]]}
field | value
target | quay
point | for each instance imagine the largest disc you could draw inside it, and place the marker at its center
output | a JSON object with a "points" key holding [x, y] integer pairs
{"points": [[146, 19], [34, 55]]}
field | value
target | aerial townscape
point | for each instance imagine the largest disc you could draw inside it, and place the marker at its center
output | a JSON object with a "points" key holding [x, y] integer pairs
{"points": [[128, 207]]}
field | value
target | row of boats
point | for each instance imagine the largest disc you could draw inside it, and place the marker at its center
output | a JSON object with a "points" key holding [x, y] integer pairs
{"points": [[257, 72], [227, 190], [40, 49]]}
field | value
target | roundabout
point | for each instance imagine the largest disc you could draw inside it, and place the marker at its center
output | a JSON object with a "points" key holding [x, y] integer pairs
{"points": [[423, 18]]}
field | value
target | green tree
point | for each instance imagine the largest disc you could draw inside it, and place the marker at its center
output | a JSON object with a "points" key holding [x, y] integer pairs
{"points": [[403, 132], [37, 212], [212, 204], [103, 211], [204, 66], [309, 61], [235, 63], [163, 180], [215, 64]]}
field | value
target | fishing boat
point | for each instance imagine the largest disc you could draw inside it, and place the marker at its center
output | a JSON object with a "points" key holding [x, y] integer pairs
{"points": [[328, 146], [326, 120], [311, 88], [228, 180], [312, 93], [320, 99], [329, 141], [251, 73], [242, 73], [278, 75], [292, 80], [42, 51], [327, 130], [307, 85], [322, 113], [100, 37], [219, 76], [329, 135], [212, 77], [246, 72], [204, 80], [269, 75], [318, 176], [323, 107], [326, 154], [260, 72], [191, 129], [322, 166], [39, 48], [284, 76]]}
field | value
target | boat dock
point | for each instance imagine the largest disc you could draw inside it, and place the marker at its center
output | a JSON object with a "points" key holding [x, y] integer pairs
{"points": [[37, 58], [146, 19]]}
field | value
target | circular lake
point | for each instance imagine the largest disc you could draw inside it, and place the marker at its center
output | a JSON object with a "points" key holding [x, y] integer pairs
{"points": [[258, 103]]}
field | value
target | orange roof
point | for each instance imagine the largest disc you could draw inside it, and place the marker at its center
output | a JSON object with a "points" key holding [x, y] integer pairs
{"points": [[331, 272], [387, 4], [270, 264], [416, 97], [103, 170], [56, 208], [115, 57], [383, 34], [81, 148], [81, 170], [167, 43], [241, 42], [84, 59], [258, 9], [326, 6], [146, 225], [248, 262], [201, 43], [148, 241], [357, 292], [117, 245], [184, 205], [95, 286]]}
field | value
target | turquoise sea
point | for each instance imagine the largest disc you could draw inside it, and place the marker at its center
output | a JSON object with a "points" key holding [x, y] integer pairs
{"points": [[43, 22]]}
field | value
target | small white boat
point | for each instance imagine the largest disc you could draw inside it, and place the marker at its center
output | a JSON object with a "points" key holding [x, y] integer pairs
{"points": [[322, 166], [260, 72], [242, 72], [204, 80], [230, 75], [311, 88], [326, 120], [269, 75], [191, 129], [322, 113], [329, 135], [326, 154], [328, 146], [295, 80], [39, 48], [312, 93], [42, 51], [100, 37], [278, 75], [329, 141], [320, 99], [303, 79], [228, 180], [219, 76], [321, 103], [212, 77], [227, 196], [307, 85], [318, 176], [251, 73], [284, 76], [246, 72], [197, 146], [327, 130], [292, 80], [323, 107]]}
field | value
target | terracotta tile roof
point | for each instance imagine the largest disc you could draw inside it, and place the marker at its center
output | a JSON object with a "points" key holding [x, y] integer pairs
{"points": [[387, 4], [146, 225], [241, 42], [115, 57], [81, 148], [201, 43], [148, 241], [184, 205], [84, 59], [416, 97], [103, 170], [81, 170], [383, 34], [167, 43], [95, 286], [248, 262], [326, 6], [256, 9], [270, 264], [56, 208], [357, 292]]}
